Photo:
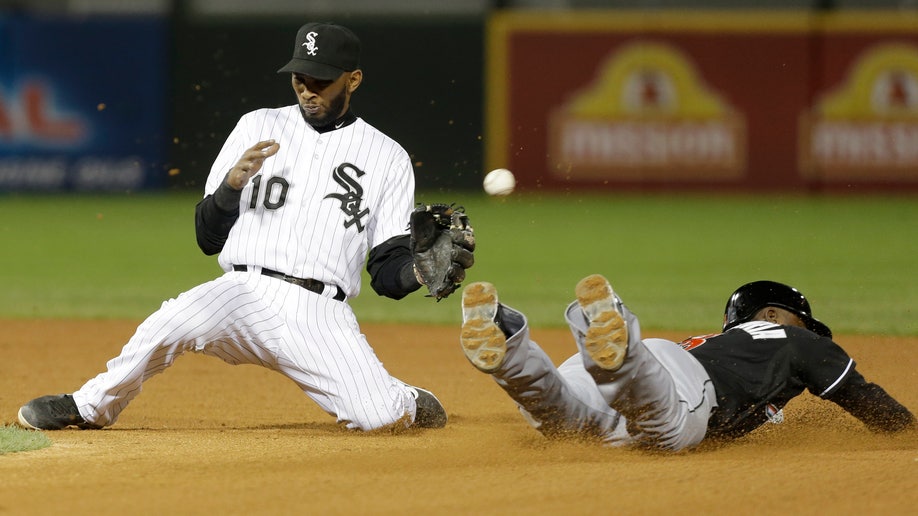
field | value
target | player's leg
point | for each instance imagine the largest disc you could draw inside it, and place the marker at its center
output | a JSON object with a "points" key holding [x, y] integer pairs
{"points": [[664, 393], [557, 401], [201, 315], [324, 352]]}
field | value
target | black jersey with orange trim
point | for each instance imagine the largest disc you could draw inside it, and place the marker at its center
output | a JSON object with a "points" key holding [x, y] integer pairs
{"points": [[758, 366]]}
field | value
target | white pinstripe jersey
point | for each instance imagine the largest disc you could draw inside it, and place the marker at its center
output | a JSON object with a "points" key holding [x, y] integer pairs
{"points": [[316, 207]]}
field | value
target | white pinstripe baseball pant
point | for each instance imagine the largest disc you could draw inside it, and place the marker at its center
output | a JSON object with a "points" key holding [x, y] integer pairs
{"points": [[248, 318]]}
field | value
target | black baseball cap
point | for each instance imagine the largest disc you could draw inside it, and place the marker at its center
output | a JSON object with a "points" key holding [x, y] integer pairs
{"points": [[324, 51]]}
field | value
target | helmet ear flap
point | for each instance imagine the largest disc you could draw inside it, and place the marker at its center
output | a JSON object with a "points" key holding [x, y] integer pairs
{"points": [[742, 306]]}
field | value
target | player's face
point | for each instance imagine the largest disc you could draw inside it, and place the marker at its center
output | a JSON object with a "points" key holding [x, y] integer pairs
{"points": [[322, 101]]}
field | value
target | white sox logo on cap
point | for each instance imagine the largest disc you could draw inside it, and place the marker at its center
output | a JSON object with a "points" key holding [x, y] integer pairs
{"points": [[324, 51], [310, 43]]}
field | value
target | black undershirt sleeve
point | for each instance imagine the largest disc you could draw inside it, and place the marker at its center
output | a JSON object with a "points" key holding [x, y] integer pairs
{"points": [[870, 404], [214, 216], [391, 268]]}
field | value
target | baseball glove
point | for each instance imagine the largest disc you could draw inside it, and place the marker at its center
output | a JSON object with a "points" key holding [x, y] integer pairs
{"points": [[442, 245]]}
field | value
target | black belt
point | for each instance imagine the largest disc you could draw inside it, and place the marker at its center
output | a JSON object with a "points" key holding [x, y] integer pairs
{"points": [[308, 283]]}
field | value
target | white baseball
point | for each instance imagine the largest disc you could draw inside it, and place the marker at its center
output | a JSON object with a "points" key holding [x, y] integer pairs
{"points": [[499, 181]]}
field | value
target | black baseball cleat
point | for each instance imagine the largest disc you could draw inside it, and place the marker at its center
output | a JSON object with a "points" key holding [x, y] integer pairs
{"points": [[482, 340], [54, 412], [606, 340], [430, 412]]}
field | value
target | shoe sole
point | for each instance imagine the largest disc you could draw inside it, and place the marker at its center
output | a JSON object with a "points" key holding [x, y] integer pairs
{"points": [[606, 340], [482, 341]]}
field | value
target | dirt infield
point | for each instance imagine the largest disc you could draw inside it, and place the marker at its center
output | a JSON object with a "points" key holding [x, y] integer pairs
{"points": [[205, 437]]}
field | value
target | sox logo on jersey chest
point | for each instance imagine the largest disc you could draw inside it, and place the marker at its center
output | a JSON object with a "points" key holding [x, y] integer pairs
{"points": [[352, 197]]}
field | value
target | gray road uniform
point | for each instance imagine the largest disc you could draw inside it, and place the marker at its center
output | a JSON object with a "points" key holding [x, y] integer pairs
{"points": [[568, 401], [668, 395]]}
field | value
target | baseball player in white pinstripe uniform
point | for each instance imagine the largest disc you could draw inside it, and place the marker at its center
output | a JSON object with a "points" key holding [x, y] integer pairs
{"points": [[295, 200]]}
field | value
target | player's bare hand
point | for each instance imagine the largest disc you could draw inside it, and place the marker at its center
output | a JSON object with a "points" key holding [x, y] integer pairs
{"points": [[250, 163]]}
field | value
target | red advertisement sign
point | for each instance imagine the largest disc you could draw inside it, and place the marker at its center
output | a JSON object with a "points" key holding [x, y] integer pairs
{"points": [[704, 99], [867, 126]]}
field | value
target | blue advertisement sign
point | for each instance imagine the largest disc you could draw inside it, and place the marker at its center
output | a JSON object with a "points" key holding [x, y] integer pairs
{"points": [[83, 103]]}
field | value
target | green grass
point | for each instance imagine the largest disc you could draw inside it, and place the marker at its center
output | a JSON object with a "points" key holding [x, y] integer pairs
{"points": [[98, 257], [14, 439], [674, 259]]}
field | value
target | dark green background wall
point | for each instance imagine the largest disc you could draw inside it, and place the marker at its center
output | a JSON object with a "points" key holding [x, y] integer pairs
{"points": [[423, 85]]}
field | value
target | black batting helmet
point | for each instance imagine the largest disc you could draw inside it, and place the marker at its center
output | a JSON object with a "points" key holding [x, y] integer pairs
{"points": [[752, 297]]}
